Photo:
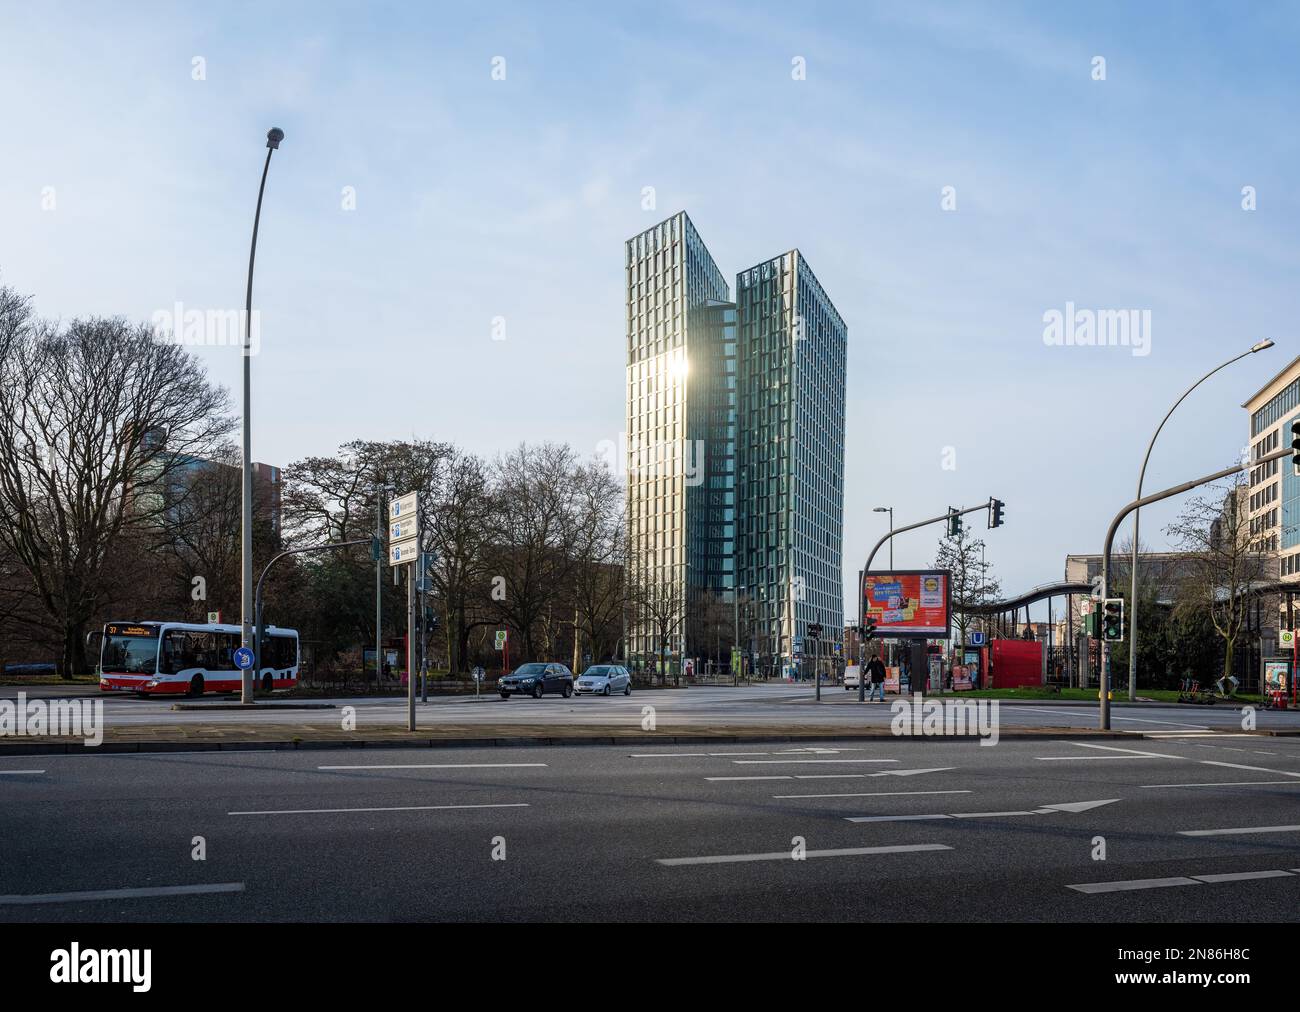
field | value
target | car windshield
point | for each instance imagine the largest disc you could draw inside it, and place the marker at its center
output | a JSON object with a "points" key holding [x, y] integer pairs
{"points": [[530, 669], [601, 672]]}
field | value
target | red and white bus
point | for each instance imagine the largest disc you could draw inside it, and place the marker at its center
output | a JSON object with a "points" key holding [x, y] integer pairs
{"points": [[186, 658]]}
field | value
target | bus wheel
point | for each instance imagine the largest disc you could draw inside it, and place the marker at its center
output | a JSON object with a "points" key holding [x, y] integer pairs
{"points": [[267, 684], [196, 685]]}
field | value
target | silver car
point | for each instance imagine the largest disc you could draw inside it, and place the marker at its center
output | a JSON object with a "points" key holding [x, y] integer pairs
{"points": [[604, 680]]}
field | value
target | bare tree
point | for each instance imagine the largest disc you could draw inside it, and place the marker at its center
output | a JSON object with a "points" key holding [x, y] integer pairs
{"points": [[599, 548], [663, 605], [97, 419], [963, 557], [530, 557], [1222, 568]]}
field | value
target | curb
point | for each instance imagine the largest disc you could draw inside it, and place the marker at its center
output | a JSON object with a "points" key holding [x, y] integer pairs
{"points": [[300, 744]]}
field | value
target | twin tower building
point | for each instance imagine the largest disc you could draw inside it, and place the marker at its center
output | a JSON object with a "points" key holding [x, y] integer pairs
{"points": [[735, 455]]}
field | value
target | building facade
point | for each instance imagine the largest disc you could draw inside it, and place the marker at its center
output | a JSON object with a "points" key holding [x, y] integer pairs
{"points": [[735, 428]]}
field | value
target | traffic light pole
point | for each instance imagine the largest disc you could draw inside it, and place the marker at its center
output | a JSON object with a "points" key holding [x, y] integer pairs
{"points": [[1104, 716]]}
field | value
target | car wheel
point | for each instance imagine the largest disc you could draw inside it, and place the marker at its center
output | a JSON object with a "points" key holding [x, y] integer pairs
{"points": [[627, 689], [505, 695], [196, 685], [537, 691], [606, 689], [568, 691]]}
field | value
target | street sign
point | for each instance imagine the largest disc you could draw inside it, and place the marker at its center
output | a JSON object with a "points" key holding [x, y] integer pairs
{"points": [[214, 618], [402, 552], [403, 506], [406, 527], [243, 658], [1286, 639], [976, 638], [501, 639]]}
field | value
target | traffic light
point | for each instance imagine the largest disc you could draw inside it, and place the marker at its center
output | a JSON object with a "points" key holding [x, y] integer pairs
{"points": [[1295, 447], [376, 548], [867, 630], [1112, 620], [954, 522], [995, 513]]}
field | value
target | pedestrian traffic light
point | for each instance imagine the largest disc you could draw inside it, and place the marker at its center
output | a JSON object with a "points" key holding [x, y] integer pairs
{"points": [[1295, 447], [995, 513], [376, 548], [1112, 620], [954, 522]]}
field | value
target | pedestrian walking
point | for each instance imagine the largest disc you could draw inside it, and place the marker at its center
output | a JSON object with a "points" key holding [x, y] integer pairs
{"points": [[875, 677]]}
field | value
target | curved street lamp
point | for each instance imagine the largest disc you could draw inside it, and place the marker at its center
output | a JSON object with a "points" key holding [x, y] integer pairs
{"points": [[1133, 567], [273, 138]]}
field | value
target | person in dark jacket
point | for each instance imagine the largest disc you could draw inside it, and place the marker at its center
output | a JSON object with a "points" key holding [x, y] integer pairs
{"points": [[875, 677]]}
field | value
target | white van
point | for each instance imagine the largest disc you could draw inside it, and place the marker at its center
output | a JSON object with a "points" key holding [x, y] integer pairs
{"points": [[852, 676]]}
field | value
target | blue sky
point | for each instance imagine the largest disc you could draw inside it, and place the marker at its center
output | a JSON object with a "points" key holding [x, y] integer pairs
{"points": [[478, 198]]}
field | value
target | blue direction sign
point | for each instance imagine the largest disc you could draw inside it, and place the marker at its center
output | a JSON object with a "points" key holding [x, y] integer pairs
{"points": [[243, 658], [976, 638]]}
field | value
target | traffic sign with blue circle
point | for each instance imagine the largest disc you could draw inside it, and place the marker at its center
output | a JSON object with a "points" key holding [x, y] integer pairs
{"points": [[243, 658]]}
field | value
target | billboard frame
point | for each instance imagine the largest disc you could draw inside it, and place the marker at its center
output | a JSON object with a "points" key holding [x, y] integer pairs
{"points": [[894, 632]]}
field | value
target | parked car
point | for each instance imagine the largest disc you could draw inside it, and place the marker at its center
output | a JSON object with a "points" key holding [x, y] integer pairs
{"points": [[537, 679], [604, 680], [852, 676]]}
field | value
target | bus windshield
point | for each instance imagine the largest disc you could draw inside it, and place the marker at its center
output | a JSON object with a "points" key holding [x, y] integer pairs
{"points": [[133, 652]]}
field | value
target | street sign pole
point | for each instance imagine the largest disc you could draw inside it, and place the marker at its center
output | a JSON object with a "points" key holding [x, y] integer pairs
{"points": [[410, 648]]}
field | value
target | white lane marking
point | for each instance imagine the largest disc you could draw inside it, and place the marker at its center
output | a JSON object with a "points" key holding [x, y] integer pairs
{"points": [[1090, 758], [1239, 829], [437, 766], [121, 894], [1228, 783], [1242, 876], [1137, 883], [14, 773], [877, 794], [405, 808], [1072, 807], [751, 778], [1253, 769], [669, 755], [804, 762], [1130, 751], [839, 776], [784, 855]]}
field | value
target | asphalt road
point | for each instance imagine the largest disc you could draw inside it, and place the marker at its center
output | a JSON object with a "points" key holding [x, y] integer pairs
{"points": [[944, 830], [754, 706]]}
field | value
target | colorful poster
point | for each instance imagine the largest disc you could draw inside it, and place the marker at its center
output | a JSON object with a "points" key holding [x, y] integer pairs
{"points": [[913, 603]]}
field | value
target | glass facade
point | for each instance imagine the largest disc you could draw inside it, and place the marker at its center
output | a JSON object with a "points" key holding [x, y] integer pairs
{"points": [[735, 443], [677, 358], [790, 457]]}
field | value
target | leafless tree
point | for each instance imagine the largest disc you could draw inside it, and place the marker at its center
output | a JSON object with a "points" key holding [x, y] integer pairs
{"points": [[1222, 569], [97, 419]]}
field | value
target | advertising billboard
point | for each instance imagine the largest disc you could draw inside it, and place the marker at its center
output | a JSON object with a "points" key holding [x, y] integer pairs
{"points": [[908, 603]]}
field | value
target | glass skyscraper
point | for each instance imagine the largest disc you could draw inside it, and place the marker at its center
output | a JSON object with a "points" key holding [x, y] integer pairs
{"points": [[735, 429]]}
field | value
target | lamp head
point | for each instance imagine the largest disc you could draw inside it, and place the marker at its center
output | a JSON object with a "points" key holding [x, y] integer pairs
{"points": [[1266, 343], [273, 137]]}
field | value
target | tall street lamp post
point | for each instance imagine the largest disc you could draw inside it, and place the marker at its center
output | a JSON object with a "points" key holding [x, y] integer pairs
{"points": [[890, 511], [1133, 565], [273, 138]]}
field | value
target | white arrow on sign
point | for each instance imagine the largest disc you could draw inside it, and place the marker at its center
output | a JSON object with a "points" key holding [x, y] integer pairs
{"points": [[1071, 806]]}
